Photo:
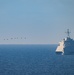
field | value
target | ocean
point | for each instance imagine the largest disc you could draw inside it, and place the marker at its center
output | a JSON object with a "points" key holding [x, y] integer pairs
{"points": [[34, 60]]}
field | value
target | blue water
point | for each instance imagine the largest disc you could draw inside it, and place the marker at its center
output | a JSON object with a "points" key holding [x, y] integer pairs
{"points": [[34, 60]]}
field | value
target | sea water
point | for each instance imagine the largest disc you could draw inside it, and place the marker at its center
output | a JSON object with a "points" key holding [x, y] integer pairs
{"points": [[34, 60]]}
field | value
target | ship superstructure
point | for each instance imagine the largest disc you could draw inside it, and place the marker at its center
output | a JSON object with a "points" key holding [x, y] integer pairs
{"points": [[66, 46]]}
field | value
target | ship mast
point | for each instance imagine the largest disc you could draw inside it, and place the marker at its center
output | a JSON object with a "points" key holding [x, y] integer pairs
{"points": [[68, 33]]}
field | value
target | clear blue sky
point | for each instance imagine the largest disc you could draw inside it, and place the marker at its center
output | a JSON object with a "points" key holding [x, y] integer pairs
{"points": [[40, 21]]}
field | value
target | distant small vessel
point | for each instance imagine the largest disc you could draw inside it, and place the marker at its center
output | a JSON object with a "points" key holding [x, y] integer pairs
{"points": [[66, 46]]}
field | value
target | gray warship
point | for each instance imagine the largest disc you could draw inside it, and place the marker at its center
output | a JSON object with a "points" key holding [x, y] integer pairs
{"points": [[66, 46]]}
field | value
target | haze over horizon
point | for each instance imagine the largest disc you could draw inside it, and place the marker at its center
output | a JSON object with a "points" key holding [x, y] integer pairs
{"points": [[40, 21]]}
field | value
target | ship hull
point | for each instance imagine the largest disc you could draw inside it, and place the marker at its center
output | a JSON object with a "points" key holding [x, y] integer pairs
{"points": [[69, 50], [59, 53]]}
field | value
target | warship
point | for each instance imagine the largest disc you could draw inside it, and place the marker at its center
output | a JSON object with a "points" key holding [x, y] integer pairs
{"points": [[66, 46]]}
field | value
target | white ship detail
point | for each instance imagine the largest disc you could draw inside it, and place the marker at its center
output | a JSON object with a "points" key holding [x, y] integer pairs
{"points": [[66, 46]]}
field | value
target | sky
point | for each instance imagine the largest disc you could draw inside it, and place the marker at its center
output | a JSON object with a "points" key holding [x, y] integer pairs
{"points": [[40, 21]]}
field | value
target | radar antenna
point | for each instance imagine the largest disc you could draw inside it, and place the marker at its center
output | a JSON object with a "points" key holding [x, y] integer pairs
{"points": [[68, 33]]}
